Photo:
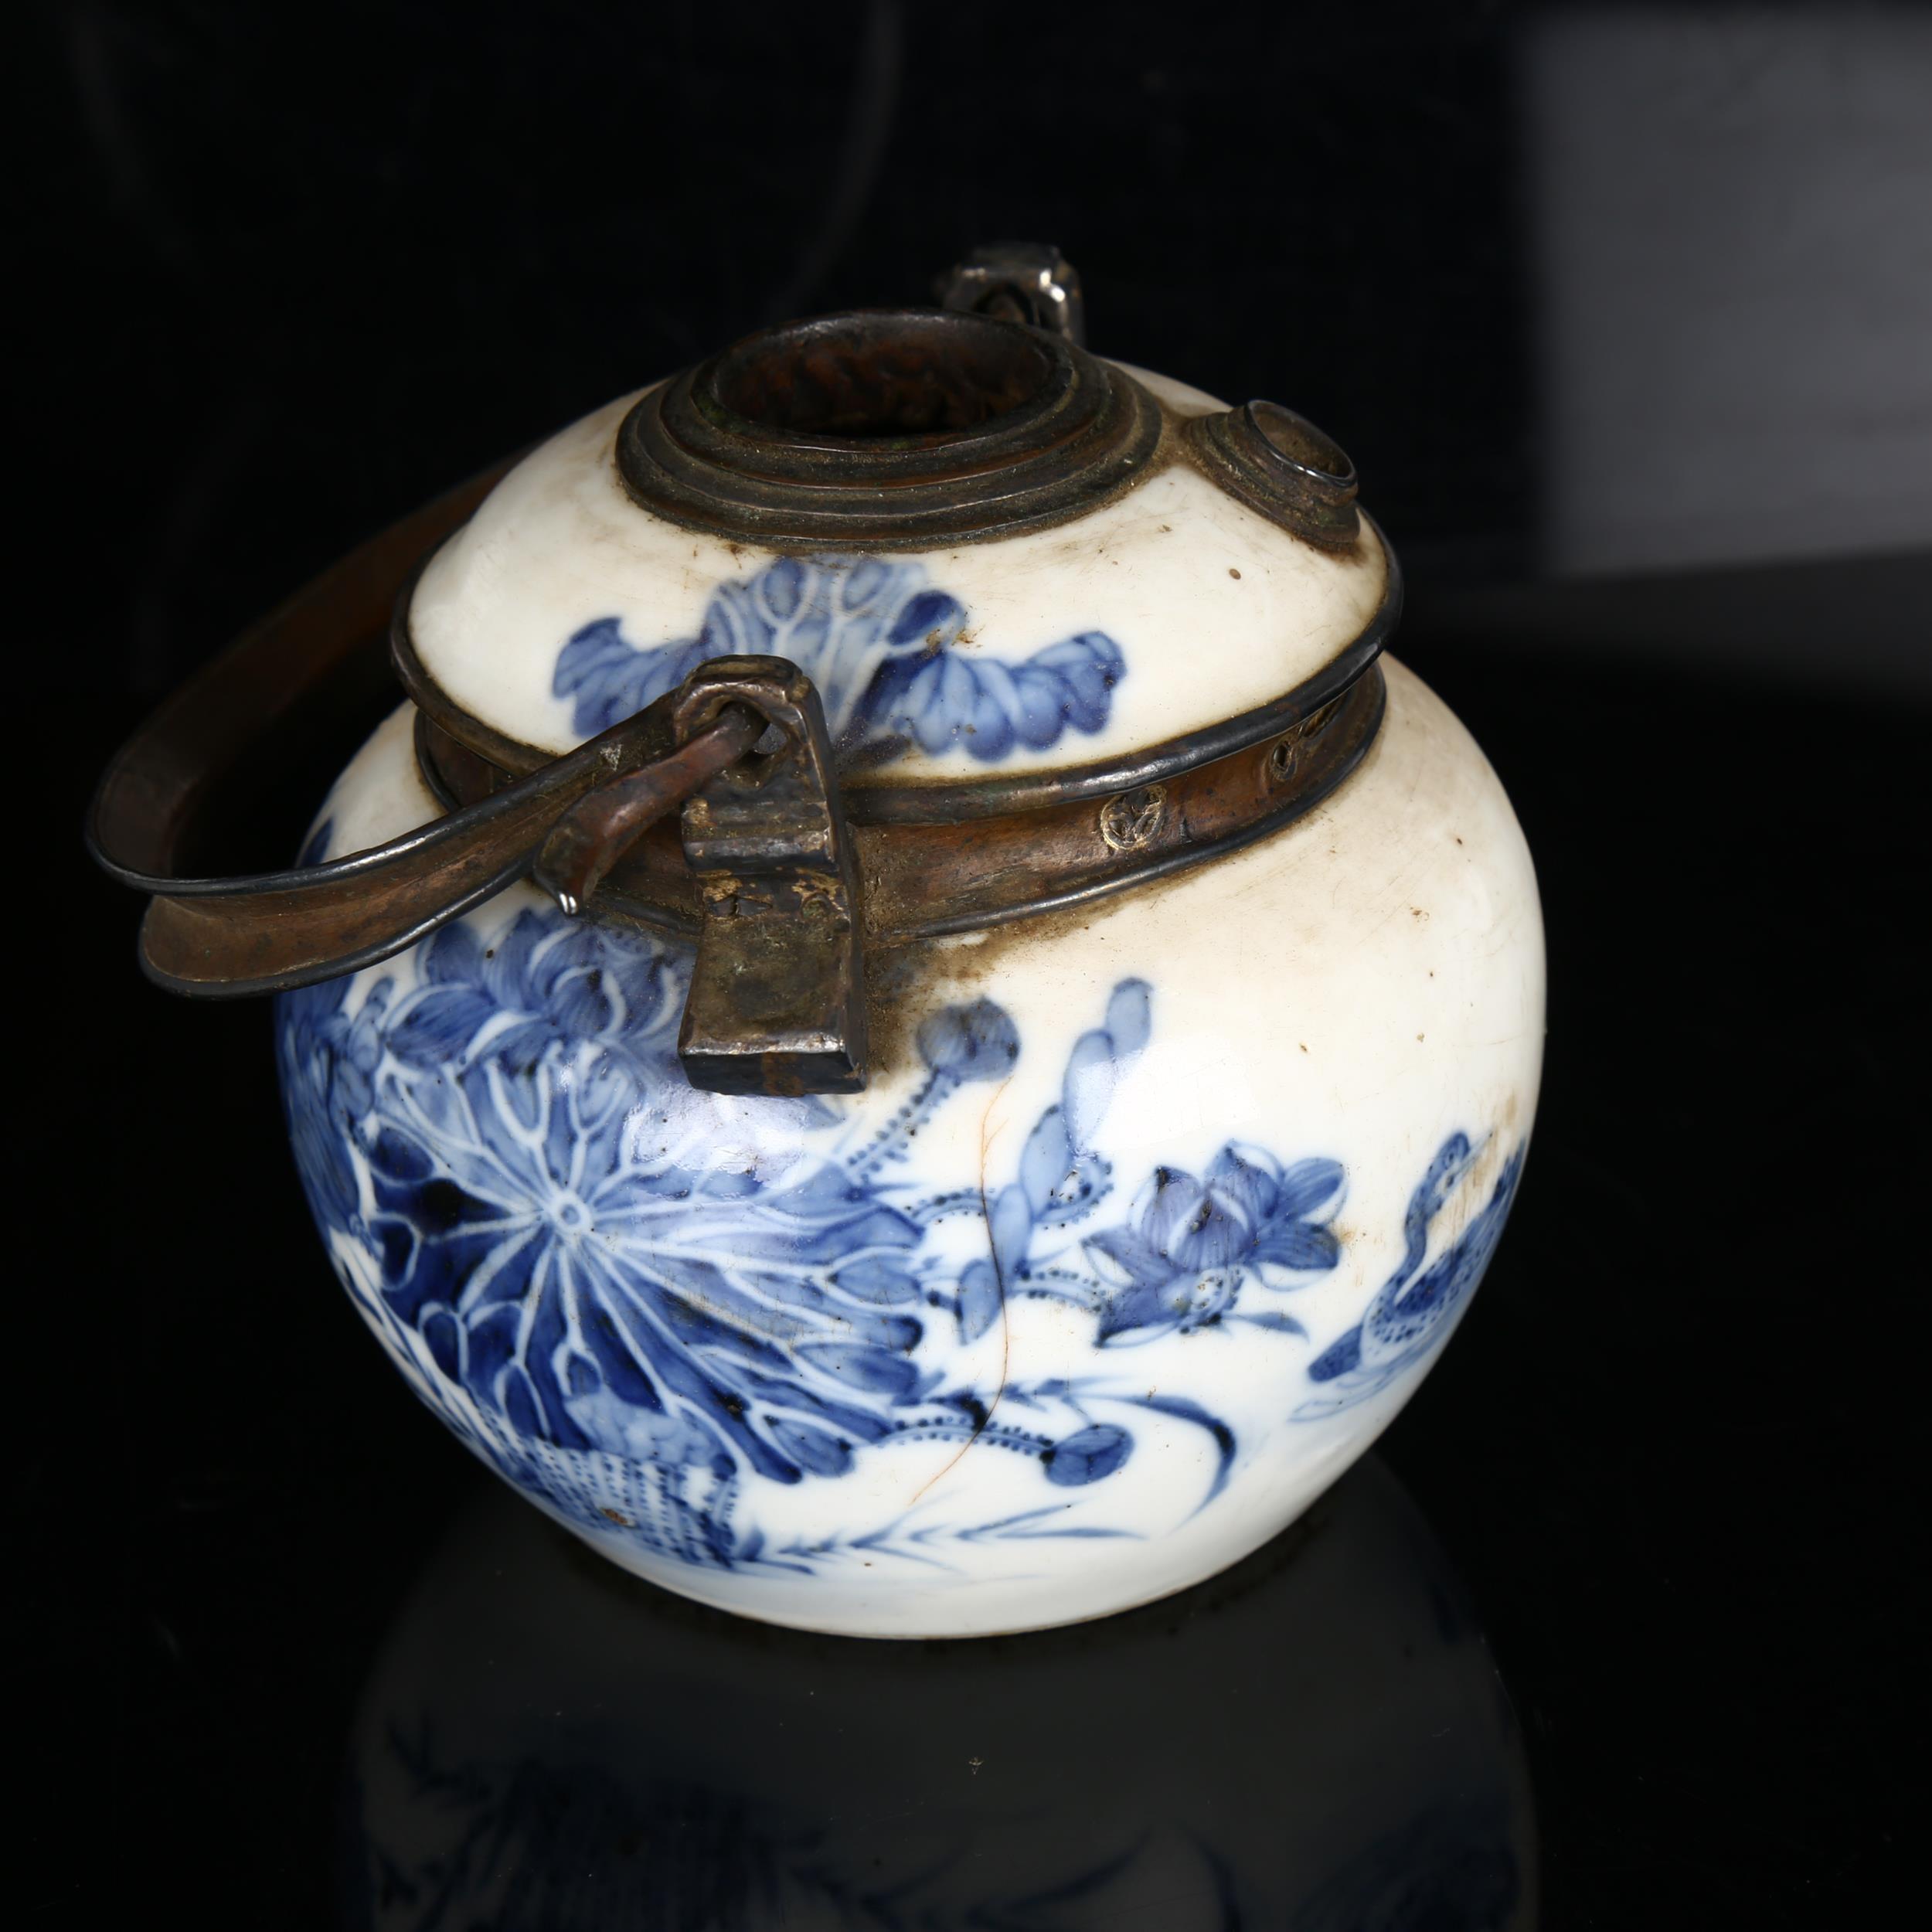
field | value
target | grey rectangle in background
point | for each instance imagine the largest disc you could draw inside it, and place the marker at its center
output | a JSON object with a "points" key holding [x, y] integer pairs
{"points": [[1732, 239]]}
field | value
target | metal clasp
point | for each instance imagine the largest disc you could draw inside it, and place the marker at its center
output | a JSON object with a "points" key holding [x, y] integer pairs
{"points": [[777, 1000], [776, 1004]]}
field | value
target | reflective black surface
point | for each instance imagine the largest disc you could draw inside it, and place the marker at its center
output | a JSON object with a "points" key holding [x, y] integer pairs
{"points": [[292, 275], [1318, 1738]]}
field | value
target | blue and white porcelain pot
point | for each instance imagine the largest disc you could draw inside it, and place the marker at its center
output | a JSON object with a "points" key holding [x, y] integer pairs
{"points": [[912, 1030]]}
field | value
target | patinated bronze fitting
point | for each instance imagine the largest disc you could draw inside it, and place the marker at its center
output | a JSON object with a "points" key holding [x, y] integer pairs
{"points": [[888, 430], [920, 879], [894, 430], [929, 859], [912, 429], [776, 1003], [1280, 463]]}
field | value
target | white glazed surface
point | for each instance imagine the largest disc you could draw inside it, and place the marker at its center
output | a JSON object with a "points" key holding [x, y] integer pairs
{"points": [[1214, 610], [1360, 988]]}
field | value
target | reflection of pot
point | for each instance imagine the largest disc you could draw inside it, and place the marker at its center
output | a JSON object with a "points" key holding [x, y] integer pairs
{"points": [[1317, 1739]]}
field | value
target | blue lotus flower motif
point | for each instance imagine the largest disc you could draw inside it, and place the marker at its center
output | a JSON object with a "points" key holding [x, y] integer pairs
{"points": [[1190, 1245], [596, 1254], [880, 644], [573, 1258], [545, 982], [609, 1264]]}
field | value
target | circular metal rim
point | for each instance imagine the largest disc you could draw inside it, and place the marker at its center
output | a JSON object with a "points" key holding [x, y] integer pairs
{"points": [[1090, 434], [942, 800], [1235, 453], [864, 461]]}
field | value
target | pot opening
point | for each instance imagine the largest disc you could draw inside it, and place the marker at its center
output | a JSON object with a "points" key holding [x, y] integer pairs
{"points": [[1296, 438], [864, 377]]}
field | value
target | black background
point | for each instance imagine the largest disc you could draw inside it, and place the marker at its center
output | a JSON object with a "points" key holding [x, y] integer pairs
{"points": [[290, 274]]}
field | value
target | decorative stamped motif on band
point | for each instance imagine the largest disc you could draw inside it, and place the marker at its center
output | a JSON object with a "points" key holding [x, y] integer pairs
{"points": [[1133, 818], [1283, 757], [881, 644], [526, 1200]]}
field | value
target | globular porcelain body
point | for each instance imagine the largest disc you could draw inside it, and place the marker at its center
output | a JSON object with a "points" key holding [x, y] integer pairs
{"points": [[1156, 1208]]}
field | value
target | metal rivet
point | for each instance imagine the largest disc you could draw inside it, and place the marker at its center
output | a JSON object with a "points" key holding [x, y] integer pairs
{"points": [[1130, 819]]}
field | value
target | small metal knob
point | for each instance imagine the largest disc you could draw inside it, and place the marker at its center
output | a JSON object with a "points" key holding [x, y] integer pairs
{"points": [[1280, 463], [1019, 282]]}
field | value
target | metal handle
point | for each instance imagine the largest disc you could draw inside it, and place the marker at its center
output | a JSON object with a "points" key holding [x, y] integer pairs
{"points": [[776, 1004], [268, 932]]}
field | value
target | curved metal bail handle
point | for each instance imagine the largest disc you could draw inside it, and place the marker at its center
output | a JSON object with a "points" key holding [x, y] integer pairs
{"points": [[776, 1004], [268, 932], [169, 777], [276, 930]]}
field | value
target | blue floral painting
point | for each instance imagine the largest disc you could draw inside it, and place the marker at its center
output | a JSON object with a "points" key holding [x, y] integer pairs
{"points": [[884, 648], [1418, 1305], [631, 1299]]}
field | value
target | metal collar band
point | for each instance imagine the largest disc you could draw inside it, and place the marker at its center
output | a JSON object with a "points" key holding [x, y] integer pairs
{"points": [[933, 876], [871, 801], [937, 858]]}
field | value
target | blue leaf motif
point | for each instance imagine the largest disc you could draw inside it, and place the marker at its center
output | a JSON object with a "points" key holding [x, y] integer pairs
{"points": [[884, 648], [1088, 1455], [980, 1300], [875, 1278], [609, 679], [1077, 679], [1049, 1169], [813, 1449], [930, 620]]}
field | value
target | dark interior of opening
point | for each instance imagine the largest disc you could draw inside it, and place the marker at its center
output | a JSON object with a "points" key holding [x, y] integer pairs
{"points": [[868, 377], [1297, 439]]}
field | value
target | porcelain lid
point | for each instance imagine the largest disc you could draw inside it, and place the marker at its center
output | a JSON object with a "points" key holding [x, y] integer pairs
{"points": [[1065, 590]]}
